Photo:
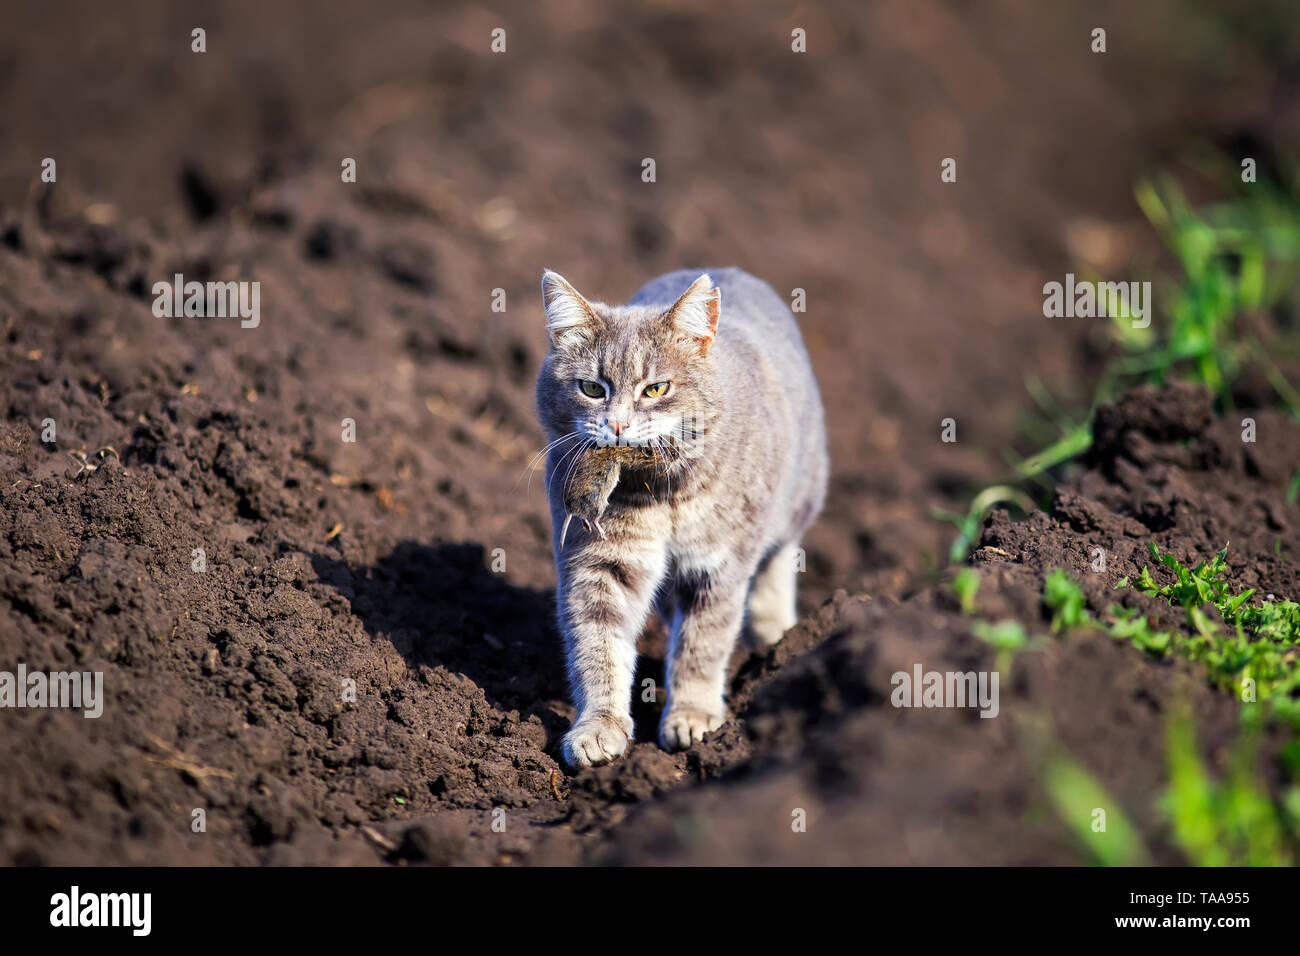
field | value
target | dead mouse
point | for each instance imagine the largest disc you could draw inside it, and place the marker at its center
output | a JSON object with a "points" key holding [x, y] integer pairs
{"points": [[594, 477]]}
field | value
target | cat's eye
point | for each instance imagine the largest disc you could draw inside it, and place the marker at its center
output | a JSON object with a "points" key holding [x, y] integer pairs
{"points": [[591, 389], [655, 390]]}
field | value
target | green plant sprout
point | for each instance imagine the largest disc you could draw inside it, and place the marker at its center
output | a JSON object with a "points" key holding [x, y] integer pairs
{"points": [[1235, 257], [965, 586], [1254, 649]]}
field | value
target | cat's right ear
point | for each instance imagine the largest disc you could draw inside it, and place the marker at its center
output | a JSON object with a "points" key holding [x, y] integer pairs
{"points": [[569, 317]]}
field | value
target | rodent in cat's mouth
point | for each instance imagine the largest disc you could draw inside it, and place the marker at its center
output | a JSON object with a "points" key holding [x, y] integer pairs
{"points": [[594, 477]]}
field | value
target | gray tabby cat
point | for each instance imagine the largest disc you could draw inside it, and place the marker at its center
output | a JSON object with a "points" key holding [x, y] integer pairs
{"points": [[722, 467]]}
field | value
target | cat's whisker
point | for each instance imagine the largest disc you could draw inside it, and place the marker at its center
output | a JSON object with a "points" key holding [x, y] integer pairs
{"points": [[578, 449], [701, 457], [686, 462], [659, 467], [567, 436], [670, 460], [694, 456], [532, 462], [564, 486], [661, 455], [530, 467]]}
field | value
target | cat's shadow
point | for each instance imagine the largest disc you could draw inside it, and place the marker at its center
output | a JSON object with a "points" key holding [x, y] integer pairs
{"points": [[444, 606]]}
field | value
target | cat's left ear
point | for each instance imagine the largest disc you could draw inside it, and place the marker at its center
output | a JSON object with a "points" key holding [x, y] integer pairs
{"points": [[695, 315]]}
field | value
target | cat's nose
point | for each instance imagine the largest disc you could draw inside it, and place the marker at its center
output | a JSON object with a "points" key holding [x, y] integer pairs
{"points": [[619, 427]]}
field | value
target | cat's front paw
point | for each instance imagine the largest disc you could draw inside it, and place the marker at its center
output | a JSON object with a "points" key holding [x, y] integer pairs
{"points": [[683, 726], [597, 739]]}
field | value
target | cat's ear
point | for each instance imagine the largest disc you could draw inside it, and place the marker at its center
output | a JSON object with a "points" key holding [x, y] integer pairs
{"points": [[569, 317], [694, 317]]}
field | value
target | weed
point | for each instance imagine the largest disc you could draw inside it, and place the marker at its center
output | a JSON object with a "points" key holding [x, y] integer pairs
{"points": [[1065, 600], [1111, 840], [1229, 823], [1252, 648], [965, 586], [1093, 816], [1235, 257], [1008, 638], [969, 524]]}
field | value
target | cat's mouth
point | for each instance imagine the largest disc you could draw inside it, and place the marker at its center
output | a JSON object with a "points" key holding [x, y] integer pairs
{"points": [[629, 455], [647, 437], [657, 454]]}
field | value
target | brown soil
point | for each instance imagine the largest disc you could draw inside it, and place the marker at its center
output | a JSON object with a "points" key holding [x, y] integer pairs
{"points": [[377, 561], [887, 785]]}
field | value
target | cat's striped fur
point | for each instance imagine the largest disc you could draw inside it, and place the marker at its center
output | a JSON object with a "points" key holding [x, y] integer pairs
{"points": [[708, 534]]}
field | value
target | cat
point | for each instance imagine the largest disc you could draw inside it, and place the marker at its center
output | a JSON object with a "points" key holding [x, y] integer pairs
{"points": [[709, 379]]}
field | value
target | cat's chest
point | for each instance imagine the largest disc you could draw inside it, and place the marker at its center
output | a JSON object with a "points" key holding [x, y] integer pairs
{"points": [[698, 531], [695, 521]]}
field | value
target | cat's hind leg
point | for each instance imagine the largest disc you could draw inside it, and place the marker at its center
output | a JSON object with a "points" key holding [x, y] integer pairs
{"points": [[771, 607]]}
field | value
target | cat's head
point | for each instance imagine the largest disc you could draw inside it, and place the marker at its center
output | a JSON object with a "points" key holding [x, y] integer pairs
{"points": [[632, 375]]}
